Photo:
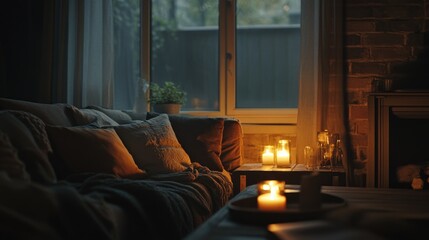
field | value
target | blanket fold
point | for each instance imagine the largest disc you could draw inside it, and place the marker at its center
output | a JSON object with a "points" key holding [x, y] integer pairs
{"points": [[103, 206]]}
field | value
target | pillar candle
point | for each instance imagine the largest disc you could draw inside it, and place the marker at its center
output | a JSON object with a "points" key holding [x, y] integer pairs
{"points": [[283, 158], [268, 156], [272, 201]]}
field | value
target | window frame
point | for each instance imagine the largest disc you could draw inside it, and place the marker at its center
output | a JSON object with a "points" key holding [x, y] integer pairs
{"points": [[253, 117]]}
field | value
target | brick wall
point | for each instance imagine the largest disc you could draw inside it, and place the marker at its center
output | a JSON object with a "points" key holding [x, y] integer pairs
{"points": [[385, 39]]}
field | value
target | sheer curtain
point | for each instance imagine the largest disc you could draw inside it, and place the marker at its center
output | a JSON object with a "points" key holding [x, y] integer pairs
{"points": [[322, 95], [90, 53]]}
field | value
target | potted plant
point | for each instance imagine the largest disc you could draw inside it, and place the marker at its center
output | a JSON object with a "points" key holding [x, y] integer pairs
{"points": [[167, 98]]}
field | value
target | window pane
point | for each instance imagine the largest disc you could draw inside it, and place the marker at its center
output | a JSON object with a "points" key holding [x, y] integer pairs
{"points": [[185, 49], [126, 25], [268, 43]]}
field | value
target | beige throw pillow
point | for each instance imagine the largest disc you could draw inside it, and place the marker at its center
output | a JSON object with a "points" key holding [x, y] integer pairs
{"points": [[154, 146]]}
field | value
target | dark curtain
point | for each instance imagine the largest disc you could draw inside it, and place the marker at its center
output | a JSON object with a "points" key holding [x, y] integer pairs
{"points": [[26, 49]]}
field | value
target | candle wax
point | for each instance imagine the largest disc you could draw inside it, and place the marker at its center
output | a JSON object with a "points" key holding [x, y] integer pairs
{"points": [[271, 202], [283, 158], [268, 158]]}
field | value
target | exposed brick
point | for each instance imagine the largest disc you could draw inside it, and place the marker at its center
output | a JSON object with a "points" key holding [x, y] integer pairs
{"points": [[402, 67], [353, 39], [406, 25], [369, 3], [356, 2], [384, 39], [358, 112], [358, 12], [357, 53], [388, 53], [359, 140], [360, 26], [368, 68], [352, 127], [357, 97], [415, 39], [402, 2], [396, 33], [362, 126], [359, 82], [398, 11]]}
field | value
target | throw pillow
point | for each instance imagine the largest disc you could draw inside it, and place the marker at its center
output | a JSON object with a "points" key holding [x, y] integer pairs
{"points": [[232, 142], [9, 160], [36, 161], [154, 145], [117, 115], [201, 137], [52, 114], [90, 117], [135, 115], [36, 127], [92, 150]]}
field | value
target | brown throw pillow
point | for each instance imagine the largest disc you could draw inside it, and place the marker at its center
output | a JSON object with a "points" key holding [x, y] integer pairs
{"points": [[232, 143], [154, 145], [201, 137], [92, 150]]}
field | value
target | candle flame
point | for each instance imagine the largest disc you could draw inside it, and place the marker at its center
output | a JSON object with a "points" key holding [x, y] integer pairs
{"points": [[275, 190]]}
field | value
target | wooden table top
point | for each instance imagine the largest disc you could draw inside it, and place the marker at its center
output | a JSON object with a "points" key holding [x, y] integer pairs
{"points": [[385, 212]]}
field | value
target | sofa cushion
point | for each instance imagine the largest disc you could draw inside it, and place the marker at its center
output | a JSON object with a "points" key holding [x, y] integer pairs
{"points": [[86, 116], [36, 127], [83, 150], [154, 145], [201, 137], [232, 143], [136, 115], [117, 115], [9, 160], [35, 159], [52, 114]]}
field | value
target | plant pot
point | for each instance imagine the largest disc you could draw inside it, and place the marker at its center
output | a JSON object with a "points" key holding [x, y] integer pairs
{"points": [[169, 108]]}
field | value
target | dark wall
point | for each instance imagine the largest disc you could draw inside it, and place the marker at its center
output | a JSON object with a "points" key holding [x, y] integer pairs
{"points": [[383, 39], [26, 46]]}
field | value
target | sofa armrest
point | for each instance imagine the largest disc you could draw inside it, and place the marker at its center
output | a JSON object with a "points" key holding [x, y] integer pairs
{"points": [[232, 144]]}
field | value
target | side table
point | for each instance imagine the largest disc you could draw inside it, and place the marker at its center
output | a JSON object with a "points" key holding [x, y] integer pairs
{"points": [[252, 173]]}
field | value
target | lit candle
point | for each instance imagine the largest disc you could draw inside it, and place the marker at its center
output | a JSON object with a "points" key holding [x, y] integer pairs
{"points": [[268, 155], [283, 154], [283, 158], [272, 201]]}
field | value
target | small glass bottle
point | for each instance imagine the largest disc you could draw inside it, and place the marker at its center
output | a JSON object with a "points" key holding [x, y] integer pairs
{"points": [[337, 155], [323, 154]]}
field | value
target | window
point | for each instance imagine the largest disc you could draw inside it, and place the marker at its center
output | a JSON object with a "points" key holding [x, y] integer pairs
{"points": [[222, 63], [238, 58]]}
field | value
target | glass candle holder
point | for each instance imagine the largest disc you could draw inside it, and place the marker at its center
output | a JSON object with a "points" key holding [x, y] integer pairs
{"points": [[283, 153], [271, 195], [309, 159], [268, 155]]}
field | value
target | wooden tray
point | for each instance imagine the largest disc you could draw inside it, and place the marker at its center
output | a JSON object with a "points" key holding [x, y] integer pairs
{"points": [[246, 210]]}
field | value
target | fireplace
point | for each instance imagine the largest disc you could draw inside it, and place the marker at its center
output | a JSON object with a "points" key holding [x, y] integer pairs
{"points": [[398, 135]]}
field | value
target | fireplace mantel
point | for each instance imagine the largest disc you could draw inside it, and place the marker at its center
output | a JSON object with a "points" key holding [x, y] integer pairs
{"points": [[381, 108]]}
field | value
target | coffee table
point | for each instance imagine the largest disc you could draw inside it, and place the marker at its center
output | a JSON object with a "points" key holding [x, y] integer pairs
{"points": [[396, 211]]}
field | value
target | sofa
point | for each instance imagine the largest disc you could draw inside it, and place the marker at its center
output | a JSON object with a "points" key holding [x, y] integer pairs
{"points": [[98, 173]]}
